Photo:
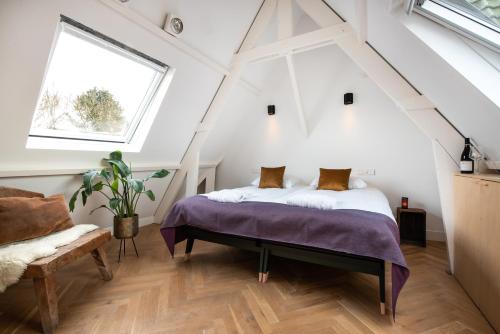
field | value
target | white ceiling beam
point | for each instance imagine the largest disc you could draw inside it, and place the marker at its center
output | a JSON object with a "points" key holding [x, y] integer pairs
{"points": [[361, 20], [191, 156], [259, 25], [389, 80], [299, 43], [296, 95], [138, 19], [418, 102], [285, 19], [192, 176]]}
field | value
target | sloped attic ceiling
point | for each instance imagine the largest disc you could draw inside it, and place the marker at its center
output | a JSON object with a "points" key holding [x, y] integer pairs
{"points": [[215, 29], [467, 108]]}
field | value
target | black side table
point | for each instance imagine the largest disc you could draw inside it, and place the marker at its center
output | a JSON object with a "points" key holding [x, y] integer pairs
{"points": [[412, 226]]}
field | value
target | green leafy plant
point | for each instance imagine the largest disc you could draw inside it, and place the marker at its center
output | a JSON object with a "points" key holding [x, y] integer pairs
{"points": [[123, 190], [97, 110]]}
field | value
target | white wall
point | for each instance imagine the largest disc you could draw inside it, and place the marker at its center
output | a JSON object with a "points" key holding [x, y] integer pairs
{"points": [[371, 133], [27, 29]]}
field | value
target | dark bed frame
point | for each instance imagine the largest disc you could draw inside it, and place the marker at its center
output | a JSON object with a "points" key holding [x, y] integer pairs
{"points": [[344, 261]]}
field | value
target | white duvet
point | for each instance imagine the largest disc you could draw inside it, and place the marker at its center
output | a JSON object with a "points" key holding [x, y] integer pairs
{"points": [[367, 199]]}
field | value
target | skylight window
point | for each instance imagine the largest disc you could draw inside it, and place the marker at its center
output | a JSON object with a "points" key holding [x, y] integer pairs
{"points": [[95, 89], [476, 19]]}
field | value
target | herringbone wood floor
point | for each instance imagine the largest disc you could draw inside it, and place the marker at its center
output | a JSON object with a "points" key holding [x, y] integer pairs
{"points": [[217, 292]]}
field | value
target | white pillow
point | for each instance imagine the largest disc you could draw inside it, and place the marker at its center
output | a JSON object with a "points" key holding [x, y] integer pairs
{"points": [[354, 183], [289, 181]]}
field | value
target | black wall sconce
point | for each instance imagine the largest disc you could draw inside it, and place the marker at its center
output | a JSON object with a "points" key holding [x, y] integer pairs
{"points": [[271, 110], [348, 98]]}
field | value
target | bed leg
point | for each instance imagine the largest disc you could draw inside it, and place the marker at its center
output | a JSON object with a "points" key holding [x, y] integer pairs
{"points": [[261, 263], [265, 265], [381, 278], [264, 277], [189, 248]]}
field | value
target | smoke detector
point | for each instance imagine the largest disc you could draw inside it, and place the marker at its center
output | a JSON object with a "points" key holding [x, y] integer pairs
{"points": [[173, 25]]}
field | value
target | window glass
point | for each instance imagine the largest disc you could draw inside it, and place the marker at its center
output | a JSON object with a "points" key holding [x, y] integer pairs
{"points": [[94, 89], [476, 19]]}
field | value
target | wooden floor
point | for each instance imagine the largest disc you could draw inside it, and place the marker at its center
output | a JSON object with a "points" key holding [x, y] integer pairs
{"points": [[217, 292]]}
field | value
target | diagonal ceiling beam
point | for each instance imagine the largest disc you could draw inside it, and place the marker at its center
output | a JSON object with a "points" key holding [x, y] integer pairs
{"points": [[190, 161]]}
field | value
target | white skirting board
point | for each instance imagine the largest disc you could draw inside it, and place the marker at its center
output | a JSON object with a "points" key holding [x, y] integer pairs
{"points": [[436, 235]]}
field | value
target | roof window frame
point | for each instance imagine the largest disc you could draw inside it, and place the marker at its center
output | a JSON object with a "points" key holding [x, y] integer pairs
{"points": [[465, 24], [140, 124]]}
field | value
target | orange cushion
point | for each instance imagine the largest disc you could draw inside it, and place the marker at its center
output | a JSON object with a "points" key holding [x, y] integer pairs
{"points": [[334, 179], [14, 192], [271, 177], [23, 218]]}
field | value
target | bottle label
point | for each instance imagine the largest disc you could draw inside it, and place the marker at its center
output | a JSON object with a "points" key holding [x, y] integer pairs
{"points": [[466, 166]]}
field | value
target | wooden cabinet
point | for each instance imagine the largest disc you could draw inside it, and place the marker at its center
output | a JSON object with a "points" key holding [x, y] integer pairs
{"points": [[412, 225], [477, 241]]}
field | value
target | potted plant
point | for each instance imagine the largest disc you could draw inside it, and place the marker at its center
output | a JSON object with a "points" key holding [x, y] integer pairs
{"points": [[122, 195]]}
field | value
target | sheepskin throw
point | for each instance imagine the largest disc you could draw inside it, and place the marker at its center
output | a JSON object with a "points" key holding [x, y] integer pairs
{"points": [[15, 257]]}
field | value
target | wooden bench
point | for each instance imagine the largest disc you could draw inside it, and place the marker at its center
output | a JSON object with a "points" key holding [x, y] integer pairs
{"points": [[42, 272]]}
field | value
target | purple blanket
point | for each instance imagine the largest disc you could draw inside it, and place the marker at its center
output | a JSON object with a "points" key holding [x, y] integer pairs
{"points": [[350, 231]]}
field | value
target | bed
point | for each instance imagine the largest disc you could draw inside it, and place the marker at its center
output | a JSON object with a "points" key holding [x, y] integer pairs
{"points": [[352, 230]]}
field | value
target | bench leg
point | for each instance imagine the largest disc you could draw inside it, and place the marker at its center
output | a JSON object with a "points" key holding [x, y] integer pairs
{"points": [[45, 290], [101, 260]]}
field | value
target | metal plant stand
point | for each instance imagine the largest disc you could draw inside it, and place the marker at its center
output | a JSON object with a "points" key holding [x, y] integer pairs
{"points": [[126, 228], [122, 241]]}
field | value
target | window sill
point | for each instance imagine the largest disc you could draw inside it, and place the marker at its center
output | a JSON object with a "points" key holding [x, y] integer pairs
{"points": [[42, 143]]}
